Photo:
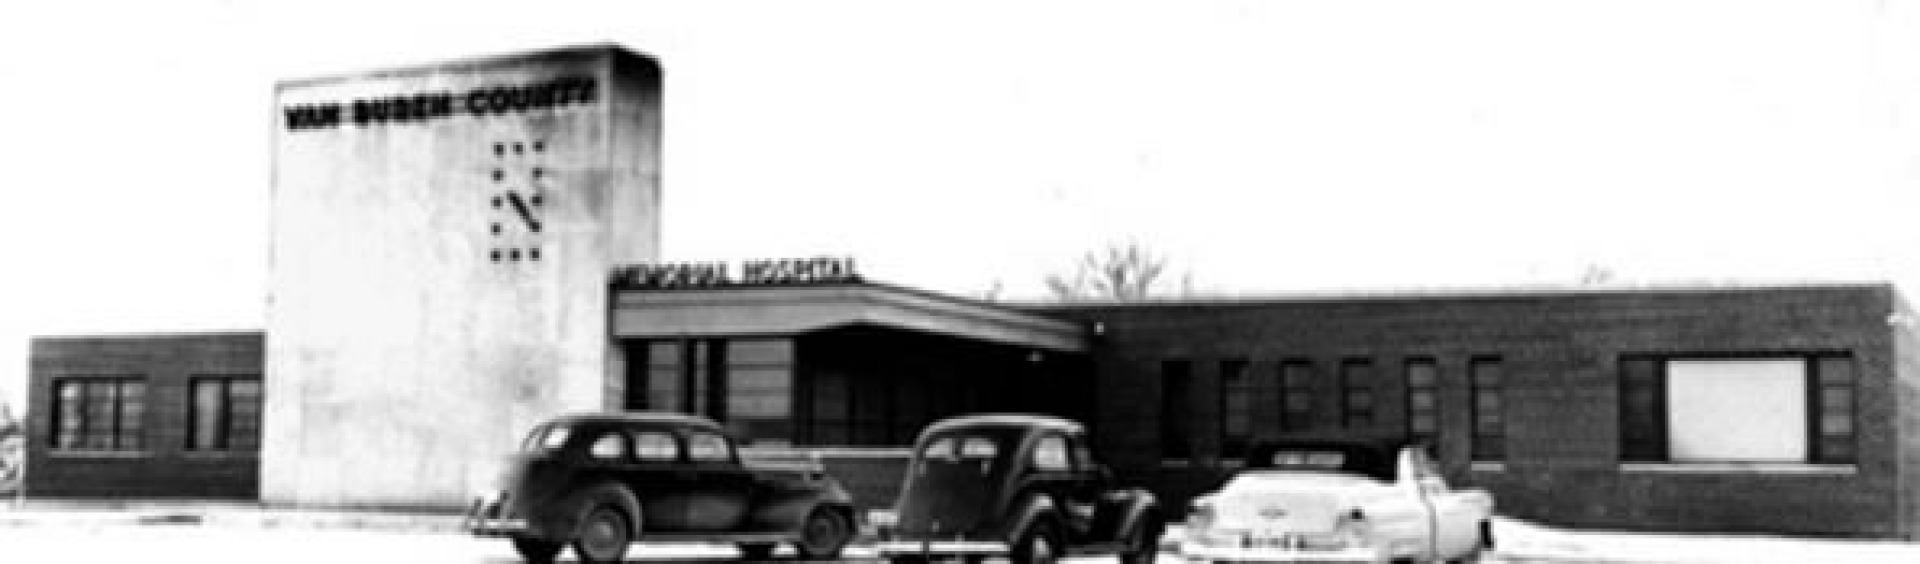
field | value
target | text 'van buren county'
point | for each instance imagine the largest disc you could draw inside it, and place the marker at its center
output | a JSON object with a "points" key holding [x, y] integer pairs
{"points": [[424, 106]]}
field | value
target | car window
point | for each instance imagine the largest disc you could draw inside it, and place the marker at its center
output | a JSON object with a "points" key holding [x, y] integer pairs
{"points": [[546, 437], [708, 447], [1051, 455], [1082, 456], [610, 445], [1308, 459], [979, 449], [655, 446], [939, 449]]}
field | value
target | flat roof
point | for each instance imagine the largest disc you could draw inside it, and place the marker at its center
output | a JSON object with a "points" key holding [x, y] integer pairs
{"points": [[792, 309], [1465, 292]]}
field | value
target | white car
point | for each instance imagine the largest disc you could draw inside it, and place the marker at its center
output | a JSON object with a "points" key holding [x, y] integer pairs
{"points": [[1338, 499]]}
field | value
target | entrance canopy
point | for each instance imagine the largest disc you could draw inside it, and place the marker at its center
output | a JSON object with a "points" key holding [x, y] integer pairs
{"points": [[803, 308]]}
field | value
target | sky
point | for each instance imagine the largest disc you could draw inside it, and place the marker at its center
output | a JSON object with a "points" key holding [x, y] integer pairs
{"points": [[976, 147]]}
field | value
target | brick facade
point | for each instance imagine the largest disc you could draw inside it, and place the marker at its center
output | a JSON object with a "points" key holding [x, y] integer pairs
{"points": [[162, 466], [1560, 353]]}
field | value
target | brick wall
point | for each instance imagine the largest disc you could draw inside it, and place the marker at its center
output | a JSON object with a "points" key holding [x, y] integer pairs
{"points": [[163, 468], [1559, 352]]}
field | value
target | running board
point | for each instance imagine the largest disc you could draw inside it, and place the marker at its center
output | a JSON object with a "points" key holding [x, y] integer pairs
{"points": [[721, 538]]}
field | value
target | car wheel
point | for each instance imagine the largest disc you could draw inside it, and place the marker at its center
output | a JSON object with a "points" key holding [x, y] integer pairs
{"points": [[1039, 544], [1145, 544], [603, 536], [824, 534], [536, 551], [756, 550]]}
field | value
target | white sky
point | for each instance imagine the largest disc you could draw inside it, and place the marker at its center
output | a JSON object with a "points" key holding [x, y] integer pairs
{"points": [[1264, 146]]}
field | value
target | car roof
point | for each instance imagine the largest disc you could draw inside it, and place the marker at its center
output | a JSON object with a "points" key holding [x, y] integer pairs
{"points": [[640, 417], [1005, 420], [1370, 454]]}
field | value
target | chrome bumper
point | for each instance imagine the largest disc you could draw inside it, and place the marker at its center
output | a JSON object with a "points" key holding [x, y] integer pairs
{"points": [[1195, 553], [904, 547], [496, 527]]}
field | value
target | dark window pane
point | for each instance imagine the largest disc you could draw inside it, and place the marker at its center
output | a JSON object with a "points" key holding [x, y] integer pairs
{"points": [[1175, 381], [1489, 425]]}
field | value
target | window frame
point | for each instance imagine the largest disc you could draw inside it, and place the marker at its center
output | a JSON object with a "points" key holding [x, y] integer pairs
{"points": [[127, 432], [224, 417], [1656, 455]]}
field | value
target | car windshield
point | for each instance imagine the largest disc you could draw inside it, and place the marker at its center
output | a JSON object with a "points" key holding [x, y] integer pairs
{"points": [[1306, 460], [546, 438]]}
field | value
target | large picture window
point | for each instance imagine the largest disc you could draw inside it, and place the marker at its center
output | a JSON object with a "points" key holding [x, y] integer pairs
{"points": [[98, 413], [1760, 409], [224, 413]]}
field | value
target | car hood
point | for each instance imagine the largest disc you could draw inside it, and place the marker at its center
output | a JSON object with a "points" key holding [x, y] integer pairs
{"points": [[1306, 504]]}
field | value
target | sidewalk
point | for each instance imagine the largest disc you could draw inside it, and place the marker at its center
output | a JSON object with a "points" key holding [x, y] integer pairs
{"points": [[91, 513]]}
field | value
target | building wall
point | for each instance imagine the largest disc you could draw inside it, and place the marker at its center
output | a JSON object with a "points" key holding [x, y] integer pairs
{"points": [[1561, 353], [438, 276], [162, 466]]}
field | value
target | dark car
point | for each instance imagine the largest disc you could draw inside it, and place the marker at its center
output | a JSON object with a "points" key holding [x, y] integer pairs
{"points": [[598, 482], [1023, 486]]}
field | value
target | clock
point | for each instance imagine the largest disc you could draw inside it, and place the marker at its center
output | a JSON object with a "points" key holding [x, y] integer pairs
{"points": [[517, 200]]}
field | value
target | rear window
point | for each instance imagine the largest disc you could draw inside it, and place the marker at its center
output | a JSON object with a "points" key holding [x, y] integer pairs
{"points": [[1307, 460], [546, 438]]}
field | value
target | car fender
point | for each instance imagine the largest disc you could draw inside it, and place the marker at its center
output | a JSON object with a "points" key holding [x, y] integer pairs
{"points": [[566, 521], [1139, 506], [1031, 510]]}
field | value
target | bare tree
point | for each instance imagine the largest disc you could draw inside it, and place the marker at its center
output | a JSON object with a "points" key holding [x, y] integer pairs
{"points": [[1119, 271]]}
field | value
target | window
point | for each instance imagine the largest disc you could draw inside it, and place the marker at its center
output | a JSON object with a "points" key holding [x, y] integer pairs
{"points": [[1488, 384], [1051, 455], [94, 413], [1758, 409], [1356, 394], [609, 446], [1296, 395], [1423, 398], [1236, 408], [1175, 379], [655, 446], [224, 413], [708, 447]]}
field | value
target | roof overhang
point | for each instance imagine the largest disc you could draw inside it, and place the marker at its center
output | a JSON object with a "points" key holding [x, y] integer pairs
{"points": [[803, 308]]}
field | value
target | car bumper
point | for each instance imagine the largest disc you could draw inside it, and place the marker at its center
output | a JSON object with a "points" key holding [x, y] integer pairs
{"points": [[497, 527], [946, 547], [1191, 553]]}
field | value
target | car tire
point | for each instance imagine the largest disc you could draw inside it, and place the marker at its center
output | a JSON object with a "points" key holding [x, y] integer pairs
{"points": [[1144, 546], [824, 534], [757, 550], [604, 534], [537, 551], [1039, 544]]}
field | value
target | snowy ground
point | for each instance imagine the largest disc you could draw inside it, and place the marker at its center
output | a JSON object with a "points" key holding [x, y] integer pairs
{"points": [[241, 534]]}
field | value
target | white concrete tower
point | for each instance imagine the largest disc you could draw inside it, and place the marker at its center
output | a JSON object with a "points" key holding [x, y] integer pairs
{"points": [[442, 241]]}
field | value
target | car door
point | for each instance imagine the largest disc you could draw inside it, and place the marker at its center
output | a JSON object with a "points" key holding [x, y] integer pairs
{"points": [[721, 487], [1453, 526], [1058, 473], [659, 477]]}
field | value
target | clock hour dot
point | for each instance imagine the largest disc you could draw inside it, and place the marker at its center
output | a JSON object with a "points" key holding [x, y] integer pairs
{"points": [[533, 253], [499, 175], [496, 201], [494, 254], [539, 146], [499, 149], [535, 200], [513, 254], [519, 148], [539, 172], [496, 229]]}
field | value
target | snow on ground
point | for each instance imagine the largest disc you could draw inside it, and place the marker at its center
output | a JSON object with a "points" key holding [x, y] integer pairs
{"points": [[1520, 541]]}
